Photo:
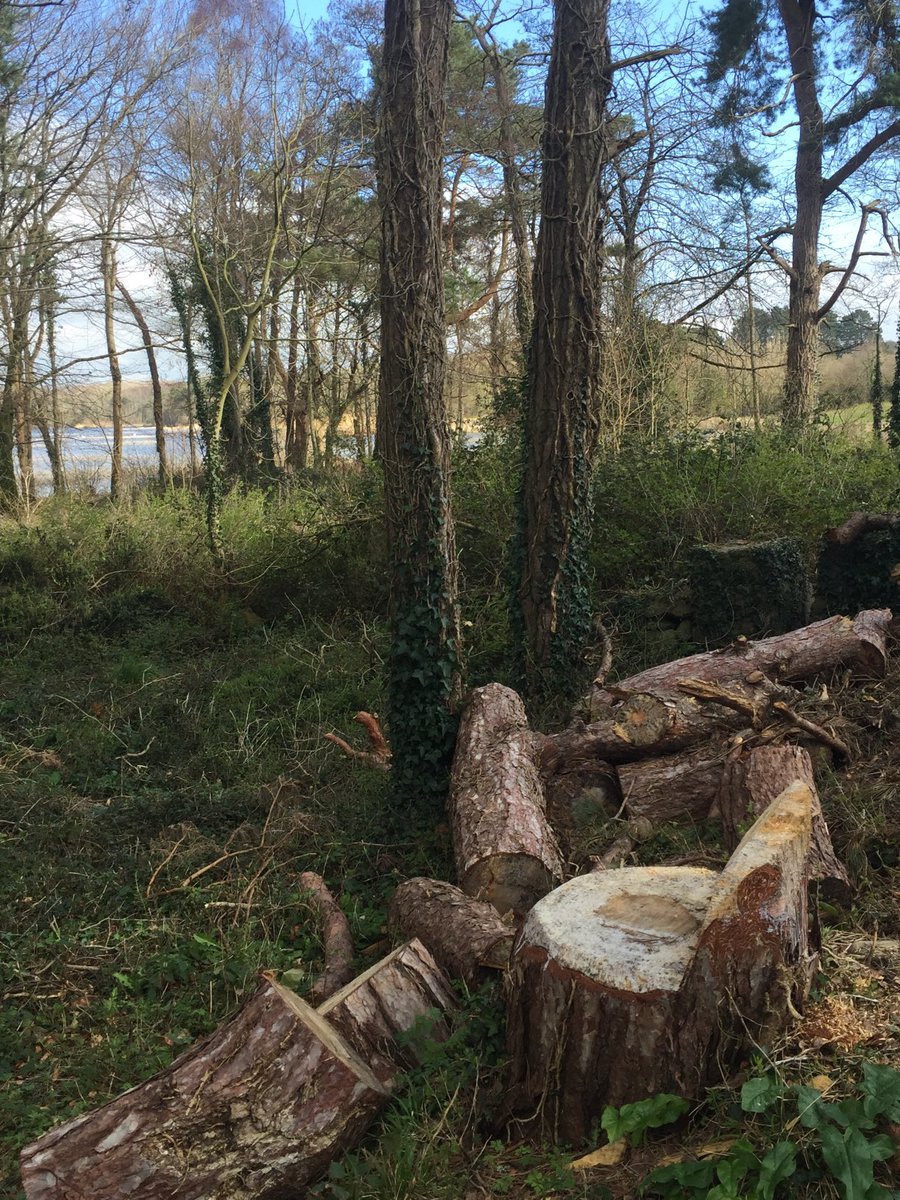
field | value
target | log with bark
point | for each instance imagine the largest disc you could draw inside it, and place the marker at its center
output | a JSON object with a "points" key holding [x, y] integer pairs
{"points": [[504, 847], [466, 936], [856, 644], [256, 1110], [678, 788], [378, 1013], [336, 938], [752, 780], [859, 523], [612, 968]]}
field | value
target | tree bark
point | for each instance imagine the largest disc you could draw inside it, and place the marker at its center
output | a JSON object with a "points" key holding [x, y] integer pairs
{"points": [[564, 360], [413, 438], [466, 936], [404, 994], [857, 644], [680, 787], [108, 273], [256, 1110], [798, 18], [336, 939], [504, 847], [631, 982], [752, 781], [156, 387]]}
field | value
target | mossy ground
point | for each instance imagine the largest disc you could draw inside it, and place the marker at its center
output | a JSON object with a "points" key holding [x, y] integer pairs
{"points": [[165, 779]]}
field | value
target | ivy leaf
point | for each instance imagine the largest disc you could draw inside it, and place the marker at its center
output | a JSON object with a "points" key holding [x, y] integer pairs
{"points": [[778, 1165], [758, 1095], [850, 1157]]}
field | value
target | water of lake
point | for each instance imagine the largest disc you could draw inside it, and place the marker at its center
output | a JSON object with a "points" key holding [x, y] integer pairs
{"points": [[87, 453]]}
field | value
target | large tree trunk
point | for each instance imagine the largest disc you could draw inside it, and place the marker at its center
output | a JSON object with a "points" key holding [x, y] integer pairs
{"points": [[798, 17], [857, 644], [108, 272], [256, 1110], [504, 847], [641, 980], [413, 439], [564, 363]]}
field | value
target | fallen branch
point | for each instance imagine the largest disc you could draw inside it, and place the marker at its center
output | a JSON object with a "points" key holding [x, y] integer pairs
{"points": [[817, 731], [336, 938], [380, 753]]}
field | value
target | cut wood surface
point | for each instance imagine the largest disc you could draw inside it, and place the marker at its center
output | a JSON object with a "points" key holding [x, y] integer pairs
{"points": [[256, 1110], [754, 961], [336, 938], [379, 1009], [752, 780], [641, 980], [504, 847], [466, 936], [857, 644]]}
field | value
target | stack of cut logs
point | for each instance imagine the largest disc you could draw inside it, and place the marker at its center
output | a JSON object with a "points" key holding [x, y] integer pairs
{"points": [[621, 982]]}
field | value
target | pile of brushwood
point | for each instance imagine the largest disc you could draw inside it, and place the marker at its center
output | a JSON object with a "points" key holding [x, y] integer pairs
{"points": [[695, 968]]}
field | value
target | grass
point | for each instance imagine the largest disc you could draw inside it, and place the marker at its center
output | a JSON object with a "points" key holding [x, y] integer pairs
{"points": [[166, 779]]}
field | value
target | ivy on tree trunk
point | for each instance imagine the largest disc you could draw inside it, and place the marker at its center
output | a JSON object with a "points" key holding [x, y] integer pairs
{"points": [[413, 438]]}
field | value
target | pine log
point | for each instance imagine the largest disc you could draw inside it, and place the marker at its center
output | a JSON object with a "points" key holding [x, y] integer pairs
{"points": [[256, 1110], [857, 644], [504, 847], [641, 980], [681, 787], [754, 961], [752, 781], [859, 523], [336, 938], [405, 993], [466, 936]]}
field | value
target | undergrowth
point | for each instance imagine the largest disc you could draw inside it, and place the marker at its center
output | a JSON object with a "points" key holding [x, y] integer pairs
{"points": [[165, 779]]}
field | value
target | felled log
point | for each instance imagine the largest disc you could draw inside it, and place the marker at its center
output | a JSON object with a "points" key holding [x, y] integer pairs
{"points": [[681, 787], [752, 780], [504, 847], [336, 939], [466, 936], [857, 644], [611, 970], [378, 1010], [256, 1110], [754, 960], [859, 523]]}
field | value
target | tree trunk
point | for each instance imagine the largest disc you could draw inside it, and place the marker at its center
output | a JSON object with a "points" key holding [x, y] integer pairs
{"points": [[752, 781], [504, 847], [680, 787], [413, 439], [257, 1109], [857, 644], [564, 363], [108, 272], [389, 1013], [153, 367], [296, 413], [798, 18], [631, 982], [466, 936]]}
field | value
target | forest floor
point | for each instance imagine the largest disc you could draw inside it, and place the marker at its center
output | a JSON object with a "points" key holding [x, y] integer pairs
{"points": [[165, 780]]}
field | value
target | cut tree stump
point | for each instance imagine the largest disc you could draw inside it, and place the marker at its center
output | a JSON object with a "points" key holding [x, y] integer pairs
{"points": [[504, 847], [379, 1009], [857, 644], [466, 936], [752, 780], [611, 970], [748, 588], [256, 1110]]}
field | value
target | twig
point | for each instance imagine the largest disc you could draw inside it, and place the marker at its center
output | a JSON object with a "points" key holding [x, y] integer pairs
{"points": [[380, 753], [823, 735]]}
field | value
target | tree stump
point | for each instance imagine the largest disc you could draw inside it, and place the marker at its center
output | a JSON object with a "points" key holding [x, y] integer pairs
{"points": [[748, 588], [466, 936], [377, 1011], [611, 969], [256, 1110], [504, 847]]}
